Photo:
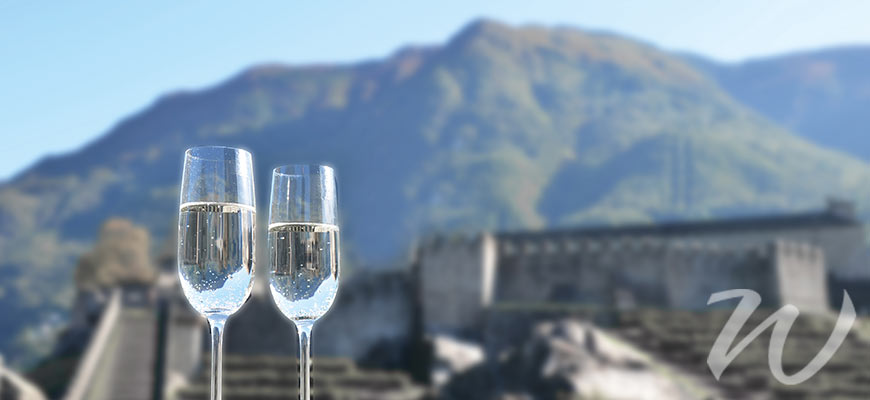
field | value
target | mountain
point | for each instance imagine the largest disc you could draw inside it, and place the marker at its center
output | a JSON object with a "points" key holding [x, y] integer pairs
{"points": [[499, 128], [821, 95]]}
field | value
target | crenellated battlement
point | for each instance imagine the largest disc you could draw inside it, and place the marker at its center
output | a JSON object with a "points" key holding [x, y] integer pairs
{"points": [[796, 251], [560, 247]]}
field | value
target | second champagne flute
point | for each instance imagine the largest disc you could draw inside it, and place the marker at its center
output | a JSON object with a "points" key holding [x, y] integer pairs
{"points": [[304, 248]]}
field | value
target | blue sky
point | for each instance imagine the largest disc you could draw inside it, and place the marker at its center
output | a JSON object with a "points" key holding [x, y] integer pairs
{"points": [[70, 70]]}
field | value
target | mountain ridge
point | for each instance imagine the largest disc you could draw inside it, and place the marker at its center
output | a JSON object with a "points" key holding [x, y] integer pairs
{"points": [[498, 128], [821, 95]]}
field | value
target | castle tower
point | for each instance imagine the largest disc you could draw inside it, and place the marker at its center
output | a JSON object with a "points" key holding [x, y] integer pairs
{"points": [[801, 275], [457, 279]]}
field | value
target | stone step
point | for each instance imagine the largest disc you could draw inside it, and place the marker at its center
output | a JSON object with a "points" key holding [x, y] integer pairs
{"points": [[268, 377]]}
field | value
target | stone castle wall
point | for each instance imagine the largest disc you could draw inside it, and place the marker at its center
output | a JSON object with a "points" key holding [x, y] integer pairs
{"points": [[642, 272], [610, 272], [695, 270]]}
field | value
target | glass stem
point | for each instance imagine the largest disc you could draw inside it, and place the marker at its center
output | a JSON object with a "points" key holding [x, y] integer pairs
{"points": [[217, 330], [304, 330]]}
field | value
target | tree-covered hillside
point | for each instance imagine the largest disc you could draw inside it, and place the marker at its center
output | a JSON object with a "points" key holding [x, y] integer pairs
{"points": [[499, 128], [821, 95]]}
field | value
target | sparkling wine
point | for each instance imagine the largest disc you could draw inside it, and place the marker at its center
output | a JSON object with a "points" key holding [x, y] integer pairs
{"points": [[216, 255], [304, 269]]}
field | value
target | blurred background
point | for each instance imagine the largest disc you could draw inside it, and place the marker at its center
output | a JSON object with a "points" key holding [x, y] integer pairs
{"points": [[537, 201]]}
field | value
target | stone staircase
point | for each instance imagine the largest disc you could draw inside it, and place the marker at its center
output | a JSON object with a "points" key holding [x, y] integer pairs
{"points": [[684, 339], [132, 363], [275, 378], [123, 360]]}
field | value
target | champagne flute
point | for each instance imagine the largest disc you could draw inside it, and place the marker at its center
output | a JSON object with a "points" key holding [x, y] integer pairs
{"points": [[304, 248], [216, 228]]}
